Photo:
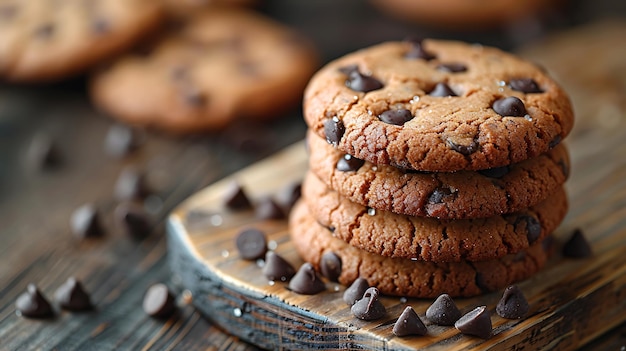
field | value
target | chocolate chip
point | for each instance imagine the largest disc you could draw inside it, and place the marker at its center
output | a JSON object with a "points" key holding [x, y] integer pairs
{"points": [[355, 291], [497, 172], [577, 246], [133, 220], [334, 130], [442, 90], [480, 282], [438, 195], [443, 311], [554, 142], [510, 106], [158, 301], [513, 304], [396, 117], [349, 69], [251, 243], [120, 141], [477, 322], [267, 208], [289, 195], [358, 81], [277, 268], [45, 31], [43, 153], [533, 227], [409, 323], [349, 163], [72, 296], [235, 197], [33, 304], [330, 266], [85, 222], [306, 281], [452, 67], [463, 149], [130, 185], [417, 50], [369, 307], [525, 85]]}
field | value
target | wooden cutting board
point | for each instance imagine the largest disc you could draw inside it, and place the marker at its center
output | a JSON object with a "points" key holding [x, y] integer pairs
{"points": [[572, 300]]}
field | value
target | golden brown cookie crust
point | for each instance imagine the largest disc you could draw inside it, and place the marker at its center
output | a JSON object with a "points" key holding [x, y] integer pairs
{"points": [[441, 126], [469, 194], [429, 239], [404, 277]]}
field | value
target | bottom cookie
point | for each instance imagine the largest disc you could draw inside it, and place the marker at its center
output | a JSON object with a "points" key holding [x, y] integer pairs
{"points": [[410, 278]]}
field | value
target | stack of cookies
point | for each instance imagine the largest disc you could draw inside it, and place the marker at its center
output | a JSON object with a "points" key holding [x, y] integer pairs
{"points": [[435, 167]]}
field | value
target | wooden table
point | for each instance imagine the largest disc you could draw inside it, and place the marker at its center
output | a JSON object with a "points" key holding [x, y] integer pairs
{"points": [[35, 240]]}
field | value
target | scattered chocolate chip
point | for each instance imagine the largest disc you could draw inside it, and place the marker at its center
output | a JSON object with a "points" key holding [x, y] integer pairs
{"points": [[330, 266], [85, 222], [334, 129], [497, 172], [349, 69], [251, 243], [369, 307], [439, 195], [442, 90], [417, 50], [33, 304], [510, 106], [355, 291], [349, 163], [463, 149], [443, 311], [43, 153], [158, 301], [289, 195], [130, 185], [577, 246], [120, 141], [513, 304], [72, 296], [396, 117], [235, 197], [45, 31], [525, 85], [452, 67], [277, 268], [357, 81], [267, 208], [409, 323], [477, 322], [306, 281], [554, 142], [134, 220]]}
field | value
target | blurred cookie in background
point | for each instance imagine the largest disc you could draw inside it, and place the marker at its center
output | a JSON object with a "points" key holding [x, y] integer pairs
{"points": [[219, 65], [44, 40]]}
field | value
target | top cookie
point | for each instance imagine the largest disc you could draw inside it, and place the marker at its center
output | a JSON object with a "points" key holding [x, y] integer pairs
{"points": [[48, 40], [437, 106]]}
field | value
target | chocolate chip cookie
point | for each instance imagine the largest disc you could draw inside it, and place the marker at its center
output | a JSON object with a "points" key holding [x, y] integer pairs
{"points": [[437, 105], [43, 40], [463, 194], [404, 277], [221, 64], [423, 238]]}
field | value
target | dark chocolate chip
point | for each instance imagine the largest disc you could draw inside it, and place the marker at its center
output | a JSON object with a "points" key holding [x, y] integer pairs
{"points": [[452, 67], [159, 302], [369, 307], [133, 220], [480, 282], [33, 304], [334, 130], [267, 208], [409, 323], [349, 69], [120, 141], [306, 281], [443, 311], [438, 195], [277, 268], [417, 50], [43, 153], [289, 195], [45, 31], [130, 185], [463, 149], [235, 197], [525, 85], [349, 163], [577, 246], [85, 222], [355, 291], [554, 142], [358, 81], [513, 304], [330, 266], [510, 106], [251, 243], [396, 117], [497, 172], [476, 322], [442, 90], [72, 296], [533, 227]]}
